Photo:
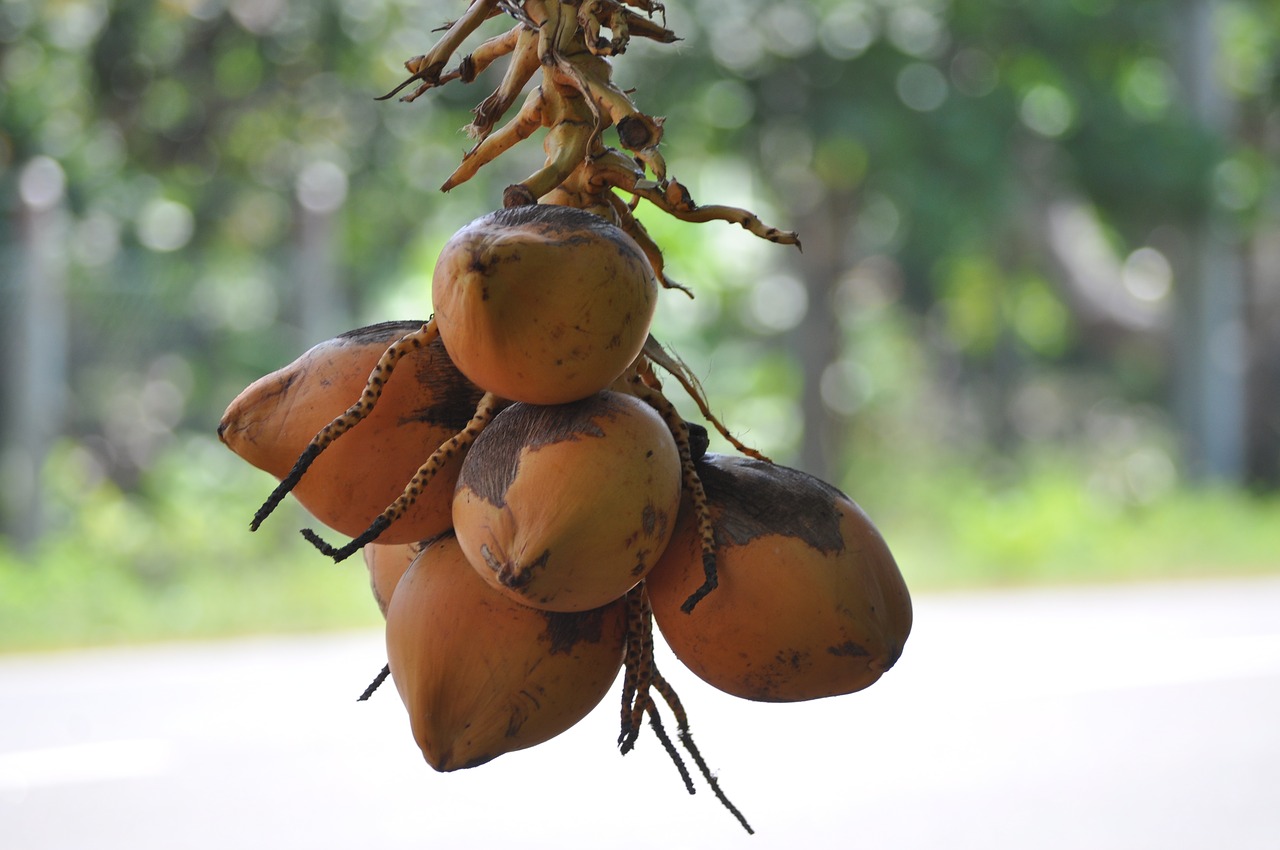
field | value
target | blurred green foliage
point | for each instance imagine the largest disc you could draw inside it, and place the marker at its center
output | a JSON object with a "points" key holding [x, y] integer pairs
{"points": [[172, 559], [175, 559], [994, 431]]}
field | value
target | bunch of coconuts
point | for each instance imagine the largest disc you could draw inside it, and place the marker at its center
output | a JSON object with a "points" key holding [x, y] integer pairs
{"points": [[519, 474]]}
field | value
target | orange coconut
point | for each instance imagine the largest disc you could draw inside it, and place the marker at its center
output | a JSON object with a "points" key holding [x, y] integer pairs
{"points": [[810, 602], [543, 303], [425, 402], [481, 675], [387, 563], [567, 507]]}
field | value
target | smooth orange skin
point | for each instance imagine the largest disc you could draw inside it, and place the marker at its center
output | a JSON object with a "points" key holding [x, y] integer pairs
{"points": [[586, 513], [387, 564], [788, 621], [481, 675], [426, 401], [543, 303]]}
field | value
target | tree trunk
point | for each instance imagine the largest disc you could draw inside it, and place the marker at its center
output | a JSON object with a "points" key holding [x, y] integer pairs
{"points": [[1209, 345], [825, 231], [36, 350], [321, 309], [1262, 311]]}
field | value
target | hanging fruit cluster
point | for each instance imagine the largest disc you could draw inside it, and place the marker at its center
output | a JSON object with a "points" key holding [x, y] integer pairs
{"points": [[527, 500]]}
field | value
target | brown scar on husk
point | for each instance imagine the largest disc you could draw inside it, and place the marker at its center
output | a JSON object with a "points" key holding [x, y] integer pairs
{"points": [[772, 504], [456, 396], [565, 630], [849, 649], [528, 427]]}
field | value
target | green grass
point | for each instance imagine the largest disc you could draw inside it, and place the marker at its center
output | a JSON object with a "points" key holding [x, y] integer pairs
{"points": [[1055, 525], [176, 559]]}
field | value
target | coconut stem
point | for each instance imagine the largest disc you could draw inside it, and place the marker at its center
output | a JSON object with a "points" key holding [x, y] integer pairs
{"points": [[376, 683], [692, 485], [686, 740], [638, 666], [640, 676], [485, 411]]}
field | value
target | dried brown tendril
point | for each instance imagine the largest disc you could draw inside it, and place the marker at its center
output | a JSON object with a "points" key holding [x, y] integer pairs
{"points": [[575, 100], [349, 418], [488, 407], [640, 678]]}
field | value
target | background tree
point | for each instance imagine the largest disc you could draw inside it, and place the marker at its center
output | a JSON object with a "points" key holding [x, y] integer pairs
{"points": [[1049, 188], [998, 201]]}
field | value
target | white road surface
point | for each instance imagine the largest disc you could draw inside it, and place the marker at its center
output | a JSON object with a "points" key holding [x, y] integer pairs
{"points": [[1127, 718]]}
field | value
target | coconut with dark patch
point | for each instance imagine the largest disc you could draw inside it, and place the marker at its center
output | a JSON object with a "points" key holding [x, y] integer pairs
{"points": [[424, 402], [810, 602], [481, 675], [543, 303], [567, 507]]}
